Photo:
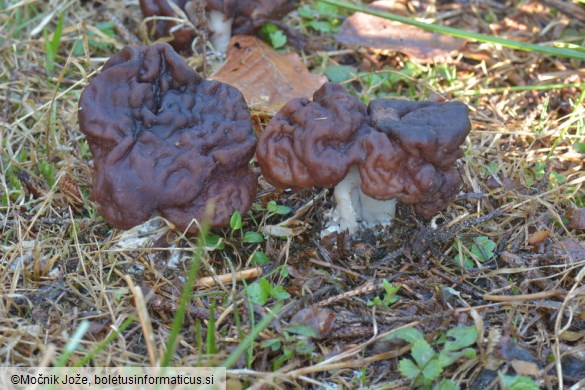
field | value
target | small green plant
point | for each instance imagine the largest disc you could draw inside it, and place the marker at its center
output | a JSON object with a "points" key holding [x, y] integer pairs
{"points": [[536, 174], [275, 208], [52, 45], [517, 382], [259, 258], [426, 365], [481, 249], [48, 172], [340, 73], [94, 41], [214, 242], [321, 17], [276, 345], [385, 82], [236, 221], [290, 344], [259, 292], [489, 169], [389, 298], [248, 237], [273, 35], [252, 237]]}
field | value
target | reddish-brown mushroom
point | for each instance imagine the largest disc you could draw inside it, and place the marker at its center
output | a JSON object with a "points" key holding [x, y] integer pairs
{"points": [[164, 139], [224, 18], [390, 150]]}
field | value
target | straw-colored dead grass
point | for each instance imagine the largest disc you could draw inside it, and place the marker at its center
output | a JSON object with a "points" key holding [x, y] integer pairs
{"points": [[61, 264]]}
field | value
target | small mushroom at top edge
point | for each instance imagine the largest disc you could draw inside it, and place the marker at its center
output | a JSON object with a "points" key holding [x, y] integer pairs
{"points": [[224, 18], [373, 155], [164, 139]]}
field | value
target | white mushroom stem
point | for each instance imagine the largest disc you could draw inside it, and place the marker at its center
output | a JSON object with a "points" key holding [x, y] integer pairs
{"points": [[220, 29], [353, 207]]}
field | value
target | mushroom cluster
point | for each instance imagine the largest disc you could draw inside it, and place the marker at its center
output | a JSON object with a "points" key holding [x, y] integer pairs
{"points": [[373, 155], [224, 18], [164, 139]]}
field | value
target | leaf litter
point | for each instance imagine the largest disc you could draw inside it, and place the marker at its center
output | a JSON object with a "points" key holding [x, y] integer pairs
{"points": [[267, 79]]}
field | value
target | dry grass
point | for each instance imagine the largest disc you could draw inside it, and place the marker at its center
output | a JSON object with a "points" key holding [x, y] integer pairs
{"points": [[62, 265]]}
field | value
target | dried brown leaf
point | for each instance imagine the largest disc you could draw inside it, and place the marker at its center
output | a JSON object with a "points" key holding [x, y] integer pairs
{"points": [[267, 79], [577, 219], [31, 185], [525, 368], [371, 31], [319, 319], [69, 188], [538, 237], [571, 248]]}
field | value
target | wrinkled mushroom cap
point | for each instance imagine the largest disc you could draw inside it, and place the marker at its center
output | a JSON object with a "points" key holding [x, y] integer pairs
{"points": [[403, 150], [164, 139], [315, 143], [413, 160]]}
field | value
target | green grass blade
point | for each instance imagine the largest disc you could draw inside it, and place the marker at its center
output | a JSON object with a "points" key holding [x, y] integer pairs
{"points": [[179, 319], [52, 46], [517, 88], [105, 342], [246, 342], [73, 342], [552, 51], [211, 343]]}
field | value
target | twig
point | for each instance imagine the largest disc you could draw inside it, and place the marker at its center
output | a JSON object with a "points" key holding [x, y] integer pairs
{"points": [[368, 287], [524, 297], [144, 318], [210, 281]]}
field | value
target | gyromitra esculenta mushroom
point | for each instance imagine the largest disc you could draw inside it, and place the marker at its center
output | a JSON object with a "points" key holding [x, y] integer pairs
{"points": [[224, 18], [390, 150], [164, 139]]}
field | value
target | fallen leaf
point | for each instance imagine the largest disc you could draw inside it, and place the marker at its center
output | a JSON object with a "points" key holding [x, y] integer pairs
{"points": [[538, 237], [371, 31], [511, 350], [267, 79], [283, 231], [573, 368], [70, 192], [569, 335], [571, 248], [509, 184], [319, 319], [31, 185], [577, 221], [525, 368]]}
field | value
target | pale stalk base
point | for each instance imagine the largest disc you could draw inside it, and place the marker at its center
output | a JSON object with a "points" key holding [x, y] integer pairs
{"points": [[354, 208], [220, 29]]}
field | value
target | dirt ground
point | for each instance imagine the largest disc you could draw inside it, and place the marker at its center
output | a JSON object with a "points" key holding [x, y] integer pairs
{"points": [[491, 289]]}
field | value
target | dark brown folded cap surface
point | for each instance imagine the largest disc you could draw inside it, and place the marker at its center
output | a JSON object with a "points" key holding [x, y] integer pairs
{"points": [[166, 140], [404, 150]]}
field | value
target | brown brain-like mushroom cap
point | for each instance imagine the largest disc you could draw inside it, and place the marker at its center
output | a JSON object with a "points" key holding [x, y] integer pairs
{"points": [[248, 16], [313, 144], [404, 150], [166, 140], [411, 155]]}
